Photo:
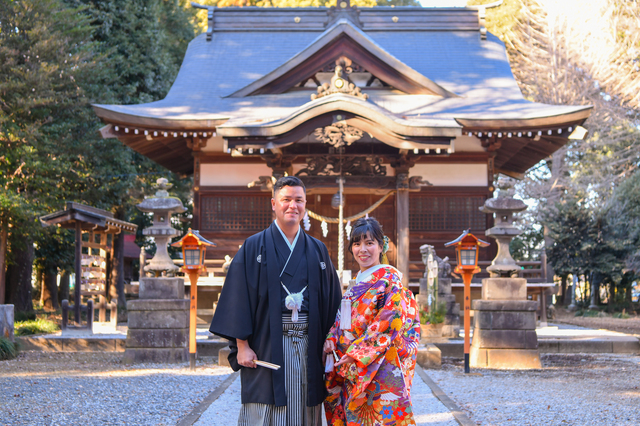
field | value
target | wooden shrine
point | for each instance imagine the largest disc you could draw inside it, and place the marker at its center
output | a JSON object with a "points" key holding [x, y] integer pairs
{"points": [[418, 105], [94, 231]]}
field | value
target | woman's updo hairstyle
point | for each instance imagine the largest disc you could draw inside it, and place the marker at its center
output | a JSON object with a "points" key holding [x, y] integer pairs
{"points": [[360, 229]]}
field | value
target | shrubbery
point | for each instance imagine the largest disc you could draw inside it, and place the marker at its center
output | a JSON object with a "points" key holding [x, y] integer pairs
{"points": [[8, 349], [37, 326]]}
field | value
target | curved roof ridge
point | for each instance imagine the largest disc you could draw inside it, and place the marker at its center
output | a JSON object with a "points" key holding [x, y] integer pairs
{"points": [[340, 27]]}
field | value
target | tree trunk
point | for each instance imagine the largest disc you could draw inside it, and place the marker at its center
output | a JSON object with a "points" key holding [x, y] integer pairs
{"points": [[564, 300], [19, 276], [65, 279], [117, 268], [50, 289]]}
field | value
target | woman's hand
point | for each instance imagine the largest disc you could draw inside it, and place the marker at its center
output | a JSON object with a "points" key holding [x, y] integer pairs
{"points": [[329, 346], [344, 360]]}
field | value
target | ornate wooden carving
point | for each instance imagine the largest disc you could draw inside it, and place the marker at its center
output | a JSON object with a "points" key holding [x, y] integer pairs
{"points": [[491, 143], [347, 65], [361, 182], [278, 163], [402, 181], [265, 183], [340, 83], [338, 134], [348, 166], [196, 144], [417, 182]]}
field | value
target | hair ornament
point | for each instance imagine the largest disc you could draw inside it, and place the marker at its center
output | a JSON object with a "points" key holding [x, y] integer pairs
{"points": [[385, 246]]}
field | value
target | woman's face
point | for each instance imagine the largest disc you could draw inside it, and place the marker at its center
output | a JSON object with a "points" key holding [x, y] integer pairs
{"points": [[366, 252]]}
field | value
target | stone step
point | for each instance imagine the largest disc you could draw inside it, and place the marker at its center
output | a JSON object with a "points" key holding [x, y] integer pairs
{"points": [[621, 345], [206, 347]]}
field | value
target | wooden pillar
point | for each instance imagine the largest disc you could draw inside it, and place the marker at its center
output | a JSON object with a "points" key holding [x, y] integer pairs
{"points": [[78, 270], [402, 226], [195, 222]]}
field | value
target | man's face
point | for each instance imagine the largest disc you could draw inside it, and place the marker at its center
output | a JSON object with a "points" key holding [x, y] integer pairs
{"points": [[289, 205]]}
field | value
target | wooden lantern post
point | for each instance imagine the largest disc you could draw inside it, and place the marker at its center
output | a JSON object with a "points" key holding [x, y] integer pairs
{"points": [[194, 247], [467, 254]]}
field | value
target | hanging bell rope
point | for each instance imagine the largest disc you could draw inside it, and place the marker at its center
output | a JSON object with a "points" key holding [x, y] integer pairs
{"points": [[355, 216]]}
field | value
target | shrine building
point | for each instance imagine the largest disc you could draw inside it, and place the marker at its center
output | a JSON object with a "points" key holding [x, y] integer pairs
{"points": [[416, 108]]}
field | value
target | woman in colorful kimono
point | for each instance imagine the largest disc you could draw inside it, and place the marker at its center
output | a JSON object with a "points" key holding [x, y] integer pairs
{"points": [[375, 337]]}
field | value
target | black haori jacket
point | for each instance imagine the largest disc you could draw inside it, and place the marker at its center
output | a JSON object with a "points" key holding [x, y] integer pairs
{"points": [[249, 308]]}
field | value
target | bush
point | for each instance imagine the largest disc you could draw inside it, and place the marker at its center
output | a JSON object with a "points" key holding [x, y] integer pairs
{"points": [[38, 326], [621, 315], [8, 349], [434, 316], [24, 316]]}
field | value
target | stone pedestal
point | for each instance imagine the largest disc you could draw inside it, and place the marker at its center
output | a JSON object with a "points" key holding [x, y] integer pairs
{"points": [[6, 322], [451, 327], [504, 333], [158, 322]]}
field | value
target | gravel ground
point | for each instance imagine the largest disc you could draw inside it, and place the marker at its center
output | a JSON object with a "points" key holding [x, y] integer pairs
{"points": [[40, 388], [571, 389], [428, 410]]}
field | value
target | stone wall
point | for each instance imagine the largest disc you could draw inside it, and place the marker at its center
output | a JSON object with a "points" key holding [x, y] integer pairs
{"points": [[6, 322]]}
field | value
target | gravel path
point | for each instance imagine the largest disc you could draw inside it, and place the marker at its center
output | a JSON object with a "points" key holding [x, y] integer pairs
{"points": [[572, 389], [40, 388], [428, 410]]}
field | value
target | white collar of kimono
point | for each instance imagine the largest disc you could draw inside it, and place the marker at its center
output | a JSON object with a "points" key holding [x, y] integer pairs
{"points": [[366, 274], [291, 245]]}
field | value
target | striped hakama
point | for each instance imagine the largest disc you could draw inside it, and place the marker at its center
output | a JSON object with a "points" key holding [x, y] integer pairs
{"points": [[295, 343]]}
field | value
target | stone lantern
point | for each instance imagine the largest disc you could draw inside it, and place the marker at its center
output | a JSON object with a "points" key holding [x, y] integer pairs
{"points": [[503, 207], [162, 206], [504, 333], [158, 320]]}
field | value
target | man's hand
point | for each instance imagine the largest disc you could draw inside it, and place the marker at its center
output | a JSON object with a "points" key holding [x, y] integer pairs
{"points": [[329, 346], [246, 355]]}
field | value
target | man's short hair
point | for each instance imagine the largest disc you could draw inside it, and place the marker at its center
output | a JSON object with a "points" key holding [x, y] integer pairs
{"points": [[287, 181]]}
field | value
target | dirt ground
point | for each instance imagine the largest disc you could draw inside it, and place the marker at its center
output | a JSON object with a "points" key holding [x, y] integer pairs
{"points": [[604, 321]]}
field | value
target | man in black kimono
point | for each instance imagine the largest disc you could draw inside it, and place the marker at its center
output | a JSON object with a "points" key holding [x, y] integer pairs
{"points": [[279, 300]]}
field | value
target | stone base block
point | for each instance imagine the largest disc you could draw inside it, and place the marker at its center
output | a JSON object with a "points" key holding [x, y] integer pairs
{"points": [[157, 338], [504, 305], [505, 320], [429, 356], [158, 305], [505, 339], [155, 355], [444, 285], [161, 288], [451, 331], [6, 322], [223, 357], [158, 319], [504, 289], [508, 359]]}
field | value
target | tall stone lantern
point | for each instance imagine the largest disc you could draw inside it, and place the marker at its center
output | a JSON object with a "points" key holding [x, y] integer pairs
{"points": [[504, 333], [162, 206], [159, 320]]}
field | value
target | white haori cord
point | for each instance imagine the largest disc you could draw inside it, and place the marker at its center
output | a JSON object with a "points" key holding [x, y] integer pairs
{"points": [[293, 301]]}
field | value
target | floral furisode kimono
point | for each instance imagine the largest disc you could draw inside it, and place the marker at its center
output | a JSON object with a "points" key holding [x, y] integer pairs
{"points": [[383, 340]]}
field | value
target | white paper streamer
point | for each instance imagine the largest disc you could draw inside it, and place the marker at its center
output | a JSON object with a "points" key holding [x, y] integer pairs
{"points": [[345, 314]]}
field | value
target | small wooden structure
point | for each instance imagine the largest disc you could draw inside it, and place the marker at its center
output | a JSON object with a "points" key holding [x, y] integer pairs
{"points": [[92, 267]]}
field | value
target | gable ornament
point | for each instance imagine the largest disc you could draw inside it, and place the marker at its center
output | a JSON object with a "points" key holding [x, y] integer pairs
{"points": [[340, 83]]}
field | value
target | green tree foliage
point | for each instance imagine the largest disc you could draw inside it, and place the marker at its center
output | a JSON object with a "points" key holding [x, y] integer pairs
{"points": [[56, 58]]}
